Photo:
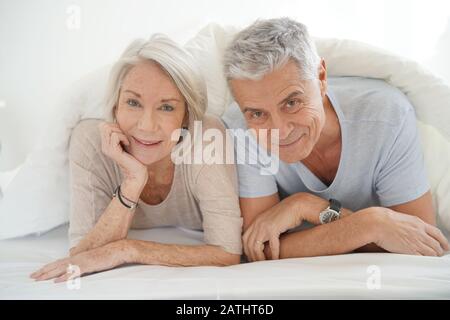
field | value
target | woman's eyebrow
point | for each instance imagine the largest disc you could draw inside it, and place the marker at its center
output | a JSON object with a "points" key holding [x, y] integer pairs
{"points": [[170, 99], [135, 93], [162, 100]]}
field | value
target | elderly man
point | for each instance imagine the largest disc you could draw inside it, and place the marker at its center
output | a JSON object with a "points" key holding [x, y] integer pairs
{"points": [[350, 161]]}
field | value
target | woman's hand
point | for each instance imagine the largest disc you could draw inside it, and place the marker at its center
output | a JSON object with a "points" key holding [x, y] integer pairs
{"points": [[99, 259], [135, 173], [402, 233]]}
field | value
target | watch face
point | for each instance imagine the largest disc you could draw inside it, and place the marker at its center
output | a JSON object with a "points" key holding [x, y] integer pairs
{"points": [[328, 216]]}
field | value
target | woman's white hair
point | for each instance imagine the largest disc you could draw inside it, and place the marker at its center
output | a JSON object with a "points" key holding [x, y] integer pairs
{"points": [[174, 60], [267, 45]]}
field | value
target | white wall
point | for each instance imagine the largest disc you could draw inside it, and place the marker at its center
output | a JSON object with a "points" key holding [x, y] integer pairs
{"points": [[47, 44]]}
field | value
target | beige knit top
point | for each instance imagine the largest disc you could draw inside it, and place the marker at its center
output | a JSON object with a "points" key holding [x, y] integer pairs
{"points": [[202, 196]]}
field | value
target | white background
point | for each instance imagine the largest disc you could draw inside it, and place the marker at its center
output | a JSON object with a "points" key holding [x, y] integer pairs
{"points": [[45, 45]]}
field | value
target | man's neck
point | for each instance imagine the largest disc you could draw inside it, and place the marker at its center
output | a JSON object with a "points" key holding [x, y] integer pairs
{"points": [[331, 132]]}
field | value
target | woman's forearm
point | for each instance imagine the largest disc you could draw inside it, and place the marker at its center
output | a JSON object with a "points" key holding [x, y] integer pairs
{"points": [[153, 253], [112, 225]]}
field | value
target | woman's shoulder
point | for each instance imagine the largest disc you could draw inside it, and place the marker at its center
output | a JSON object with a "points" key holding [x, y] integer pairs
{"points": [[85, 139], [217, 154]]}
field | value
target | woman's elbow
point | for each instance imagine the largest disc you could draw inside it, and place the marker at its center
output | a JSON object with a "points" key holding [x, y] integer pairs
{"points": [[228, 259]]}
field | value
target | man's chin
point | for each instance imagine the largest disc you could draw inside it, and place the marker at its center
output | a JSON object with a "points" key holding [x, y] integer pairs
{"points": [[292, 157]]}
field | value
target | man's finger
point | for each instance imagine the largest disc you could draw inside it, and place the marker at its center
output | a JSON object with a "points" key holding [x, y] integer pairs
{"points": [[437, 234], [275, 247]]}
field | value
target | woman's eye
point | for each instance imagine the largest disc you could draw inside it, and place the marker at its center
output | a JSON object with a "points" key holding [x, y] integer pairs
{"points": [[167, 107], [132, 103]]}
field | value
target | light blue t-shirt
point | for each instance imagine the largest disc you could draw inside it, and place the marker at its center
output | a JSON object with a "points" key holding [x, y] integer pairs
{"points": [[381, 162]]}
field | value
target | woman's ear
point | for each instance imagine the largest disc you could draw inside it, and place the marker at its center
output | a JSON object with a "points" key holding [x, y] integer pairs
{"points": [[114, 114], [185, 123]]}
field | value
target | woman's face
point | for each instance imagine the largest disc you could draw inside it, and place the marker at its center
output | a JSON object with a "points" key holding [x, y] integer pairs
{"points": [[150, 107]]}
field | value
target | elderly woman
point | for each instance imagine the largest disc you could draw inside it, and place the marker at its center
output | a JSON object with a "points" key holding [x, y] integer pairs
{"points": [[123, 175]]}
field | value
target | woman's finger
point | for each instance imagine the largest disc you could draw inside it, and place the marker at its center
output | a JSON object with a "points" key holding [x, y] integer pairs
{"points": [[48, 267], [61, 269], [65, 277]]}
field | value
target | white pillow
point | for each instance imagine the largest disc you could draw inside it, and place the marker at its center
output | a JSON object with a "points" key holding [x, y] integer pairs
{"points": [[37, 199], [436, 151]]}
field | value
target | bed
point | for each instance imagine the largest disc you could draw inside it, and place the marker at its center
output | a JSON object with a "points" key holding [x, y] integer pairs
{"points": [[34, 233], [357, 276]]}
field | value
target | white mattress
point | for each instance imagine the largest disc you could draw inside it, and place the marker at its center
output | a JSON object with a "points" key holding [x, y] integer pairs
{"points": [[342, 276]]}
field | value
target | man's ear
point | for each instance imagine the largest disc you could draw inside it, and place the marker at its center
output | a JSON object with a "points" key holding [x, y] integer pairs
{"points": [[323, 77]]}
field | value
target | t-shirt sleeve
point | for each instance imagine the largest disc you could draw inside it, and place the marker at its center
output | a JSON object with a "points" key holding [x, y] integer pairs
{"points": [[216, 192], [215, 189], [403, 177], [90, 191], [256, 168]]}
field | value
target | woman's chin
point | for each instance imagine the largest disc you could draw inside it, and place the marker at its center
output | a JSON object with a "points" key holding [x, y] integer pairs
{"points": [[146, 159]]}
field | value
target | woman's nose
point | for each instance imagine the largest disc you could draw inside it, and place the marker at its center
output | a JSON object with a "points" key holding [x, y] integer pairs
{"points": [[148, 122]]}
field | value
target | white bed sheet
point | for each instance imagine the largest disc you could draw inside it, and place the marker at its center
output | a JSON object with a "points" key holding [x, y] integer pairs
{"points": [[341, 276]]}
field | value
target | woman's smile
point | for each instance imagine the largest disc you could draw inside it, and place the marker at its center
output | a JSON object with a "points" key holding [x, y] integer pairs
{"points": [[147, 143]]}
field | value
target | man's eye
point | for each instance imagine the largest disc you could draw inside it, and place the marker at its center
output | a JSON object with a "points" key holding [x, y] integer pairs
{"points": [[256, 114], [132, 103], [292, 103], [167, 107]]}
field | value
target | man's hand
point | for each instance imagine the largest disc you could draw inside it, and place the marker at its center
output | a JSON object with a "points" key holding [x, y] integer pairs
{"points": [[406, 234], [270, 224]]}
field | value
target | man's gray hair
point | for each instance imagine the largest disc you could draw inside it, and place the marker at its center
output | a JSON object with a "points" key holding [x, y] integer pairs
{"points": [[267, 45]]}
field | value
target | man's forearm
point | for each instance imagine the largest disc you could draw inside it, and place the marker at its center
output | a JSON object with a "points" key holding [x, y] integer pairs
{"points": [[312, 205], [339, 237]]}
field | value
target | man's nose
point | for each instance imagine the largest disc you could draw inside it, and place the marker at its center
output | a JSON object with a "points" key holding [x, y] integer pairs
{"points": [[282, 125]]}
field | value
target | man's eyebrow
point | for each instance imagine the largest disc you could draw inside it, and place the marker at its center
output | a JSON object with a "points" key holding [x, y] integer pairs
{"points": [[251, 109], [135, 93], [290, 96]]}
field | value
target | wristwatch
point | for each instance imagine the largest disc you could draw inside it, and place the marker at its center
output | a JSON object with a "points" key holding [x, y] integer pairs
{"points": [[332, 213]]}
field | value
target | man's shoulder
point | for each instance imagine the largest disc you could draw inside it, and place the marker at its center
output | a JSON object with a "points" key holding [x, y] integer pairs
{"points": [[366, 99]]}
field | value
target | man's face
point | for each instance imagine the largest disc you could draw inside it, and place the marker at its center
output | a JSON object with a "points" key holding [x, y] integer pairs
{"points": [[280, 100]]}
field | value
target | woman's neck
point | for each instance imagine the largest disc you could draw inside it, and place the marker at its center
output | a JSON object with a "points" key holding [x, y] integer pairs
{"points": [[161, 172]]}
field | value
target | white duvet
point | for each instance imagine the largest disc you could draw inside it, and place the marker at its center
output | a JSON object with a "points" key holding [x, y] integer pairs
{"points": [[358, 276]]}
